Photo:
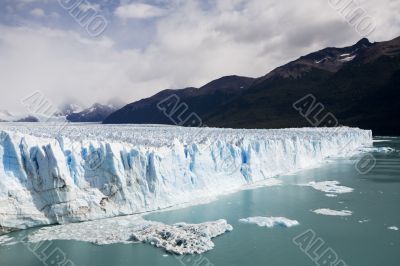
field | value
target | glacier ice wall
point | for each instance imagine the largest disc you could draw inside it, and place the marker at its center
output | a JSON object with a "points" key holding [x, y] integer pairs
{"points": [[88, 172]]}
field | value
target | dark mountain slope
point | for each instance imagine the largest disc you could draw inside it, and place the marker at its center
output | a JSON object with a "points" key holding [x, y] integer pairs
{"points": [[362, 91], [200, 101]]}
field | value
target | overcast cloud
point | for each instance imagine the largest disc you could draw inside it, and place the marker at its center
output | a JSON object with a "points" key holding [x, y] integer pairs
{"points": [[149, 46]]}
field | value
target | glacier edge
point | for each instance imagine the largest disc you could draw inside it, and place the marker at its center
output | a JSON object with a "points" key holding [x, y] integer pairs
{"points": [[90, 172]]}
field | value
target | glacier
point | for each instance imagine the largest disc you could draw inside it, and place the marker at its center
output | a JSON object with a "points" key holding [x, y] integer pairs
{"points": [[58, 174]]}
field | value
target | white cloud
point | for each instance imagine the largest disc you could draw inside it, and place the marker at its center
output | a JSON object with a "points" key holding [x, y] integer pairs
{"points": [[54, 15], [37, 12], [87, 6], [138, 11], [191, 45]]}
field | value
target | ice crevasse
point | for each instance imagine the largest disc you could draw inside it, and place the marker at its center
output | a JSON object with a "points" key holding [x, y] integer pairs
{"points": [[88, 172]]}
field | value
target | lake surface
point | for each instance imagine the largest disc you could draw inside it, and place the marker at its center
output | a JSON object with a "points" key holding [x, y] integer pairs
{"points": [[360, 239]]}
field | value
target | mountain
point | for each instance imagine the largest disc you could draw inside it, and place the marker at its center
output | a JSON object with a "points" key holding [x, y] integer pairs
{"points": [[199, 100], [358, 85], [70, 108], [354, 86], [328, 60], [28, 119], [96, 113], [6, 116]]}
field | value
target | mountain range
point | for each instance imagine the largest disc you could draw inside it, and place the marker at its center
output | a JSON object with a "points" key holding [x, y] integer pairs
{"points": [[70, 112], [96, 113], [357, 86], [199, 100], [6, 116]]}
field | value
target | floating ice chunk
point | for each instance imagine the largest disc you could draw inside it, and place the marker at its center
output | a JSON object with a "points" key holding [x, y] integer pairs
{"points": [[179, 238], [330, 212], [329, 187], [363, 221], [377, 149], [331, 195], [184, 238], [395, 228], [270, 221]]}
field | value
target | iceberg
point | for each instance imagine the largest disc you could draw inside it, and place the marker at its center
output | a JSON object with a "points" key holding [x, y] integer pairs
{"points": [[330, 212], [57, 174], [180, 238], [270, 221]]}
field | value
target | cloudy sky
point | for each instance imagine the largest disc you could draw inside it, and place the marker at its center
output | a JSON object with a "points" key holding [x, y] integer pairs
{"points": [[131, 49]]}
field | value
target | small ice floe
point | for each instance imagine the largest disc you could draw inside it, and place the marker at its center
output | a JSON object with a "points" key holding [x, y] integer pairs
{"points": [[331, 195], [395, 228], [180, 238], [377, 149], [363, 221], [330, 187], [270, 221], [330, 212]]}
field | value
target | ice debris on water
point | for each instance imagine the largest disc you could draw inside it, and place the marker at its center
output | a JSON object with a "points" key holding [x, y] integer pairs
{"points": [[180, 238], [330, 187]]}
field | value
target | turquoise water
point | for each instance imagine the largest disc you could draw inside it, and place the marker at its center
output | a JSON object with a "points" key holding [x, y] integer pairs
{"points": [[376, 198]]}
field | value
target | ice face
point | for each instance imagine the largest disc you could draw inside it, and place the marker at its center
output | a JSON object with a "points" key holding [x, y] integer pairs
{"points": [[52, 174]]}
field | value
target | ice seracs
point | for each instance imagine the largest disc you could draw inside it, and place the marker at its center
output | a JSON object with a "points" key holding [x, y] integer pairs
{"points": [[270, 221], [56, 174]]}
